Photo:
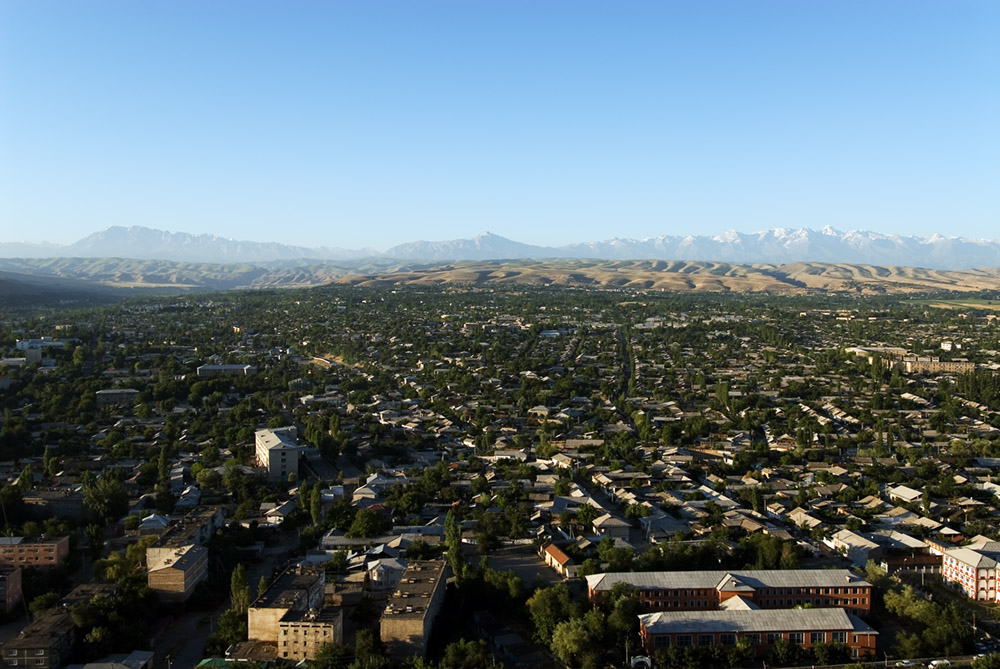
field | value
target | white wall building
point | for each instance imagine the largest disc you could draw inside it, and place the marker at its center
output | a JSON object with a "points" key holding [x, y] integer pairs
{"points": [[277, 452]]}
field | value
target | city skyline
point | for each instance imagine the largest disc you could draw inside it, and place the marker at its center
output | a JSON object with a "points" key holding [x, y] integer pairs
{"points": [[359, 125]]}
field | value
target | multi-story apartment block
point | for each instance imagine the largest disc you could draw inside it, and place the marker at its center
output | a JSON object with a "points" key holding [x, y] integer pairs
{"points": [[277, 452], [766, 589], [208, 371], [297, 591], [179, 560], [33, 552], [116, 396], [409, 614], [49, 640], [974, 569]]}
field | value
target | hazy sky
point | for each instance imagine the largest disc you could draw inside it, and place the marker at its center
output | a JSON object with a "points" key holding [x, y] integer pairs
{"points": [[371, 123]]}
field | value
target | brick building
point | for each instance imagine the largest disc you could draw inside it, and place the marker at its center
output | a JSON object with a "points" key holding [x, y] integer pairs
{"points": [[801, 627], [33, 552], [766, 589], [178, 561]]}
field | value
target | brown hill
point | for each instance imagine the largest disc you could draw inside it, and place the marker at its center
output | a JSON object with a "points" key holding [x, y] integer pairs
{"points": [[793, 278]]}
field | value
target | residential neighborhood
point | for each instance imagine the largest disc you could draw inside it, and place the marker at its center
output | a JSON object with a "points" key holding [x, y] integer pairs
{"points": [[517, 476]]}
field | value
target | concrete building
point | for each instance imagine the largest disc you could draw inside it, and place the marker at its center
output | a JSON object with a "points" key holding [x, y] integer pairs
{"points": [[766, 589], [10, 587], [209, 371], [410, 611], [801, 627], [974, 569], [178, 562], [299, 589], [302, 633], [49, 640], [277, 452], [33, 552], [174, 571], [116, 397]]}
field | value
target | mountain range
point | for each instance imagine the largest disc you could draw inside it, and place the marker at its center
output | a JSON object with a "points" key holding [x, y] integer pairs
{"points": [[773, 246]]}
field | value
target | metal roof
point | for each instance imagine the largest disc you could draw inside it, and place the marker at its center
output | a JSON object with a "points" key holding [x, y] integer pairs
{"points": [[759, 621], [753, 578]]}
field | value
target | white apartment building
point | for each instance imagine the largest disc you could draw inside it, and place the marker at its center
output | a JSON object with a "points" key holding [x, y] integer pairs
{"points": [[277, 452], [974, 569]]}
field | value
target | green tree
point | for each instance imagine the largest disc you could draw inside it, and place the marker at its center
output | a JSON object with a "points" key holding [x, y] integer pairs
{"points": [[549, 607], [571, 642], [316, 505], [95, 540], [239, 591], [586, 515], [467, 654], [26, 481], [367, 523], [50, 462], [453, 537], [43, 603]]}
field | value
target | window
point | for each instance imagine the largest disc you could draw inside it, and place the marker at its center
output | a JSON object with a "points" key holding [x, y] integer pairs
{"points": [[773, 636], [796, 638], [661, 641], [706, 639], [840, 637], [12, 663], [12, 653], [683, 640], [40, 662], [752, 638], [39, 651], [817, 637], [727, 639]]}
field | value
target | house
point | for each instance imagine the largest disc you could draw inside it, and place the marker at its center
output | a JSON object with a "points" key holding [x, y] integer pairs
{"points": [[558, 560], [902, 494], [855, 547], [609, 526]]}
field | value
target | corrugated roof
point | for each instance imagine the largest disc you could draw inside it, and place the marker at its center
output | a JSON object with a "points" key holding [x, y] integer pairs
{"points": [[754, 578], [759, 621]]}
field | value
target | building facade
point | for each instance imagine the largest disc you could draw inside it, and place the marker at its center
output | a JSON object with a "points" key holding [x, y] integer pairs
{"points": [[277, 452], [974, 569], [410, 611], [766, 589], [33, 552], [762, 628]]}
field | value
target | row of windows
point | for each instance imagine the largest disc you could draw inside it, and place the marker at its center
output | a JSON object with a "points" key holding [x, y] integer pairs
{"points": [[305, 632], [729, 639]]}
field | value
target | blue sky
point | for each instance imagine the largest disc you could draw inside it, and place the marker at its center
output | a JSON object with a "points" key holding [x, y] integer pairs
{"points": [[371, 123]]}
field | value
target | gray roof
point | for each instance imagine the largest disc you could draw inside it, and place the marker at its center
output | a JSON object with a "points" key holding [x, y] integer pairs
{"points": [[748, 579], [759, 621]]}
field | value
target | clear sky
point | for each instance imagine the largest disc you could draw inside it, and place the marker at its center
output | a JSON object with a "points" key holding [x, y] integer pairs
{"points": [[377, 122]]}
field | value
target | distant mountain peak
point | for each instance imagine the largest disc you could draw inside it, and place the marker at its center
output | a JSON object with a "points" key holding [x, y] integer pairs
{"points": [[775, 245]]}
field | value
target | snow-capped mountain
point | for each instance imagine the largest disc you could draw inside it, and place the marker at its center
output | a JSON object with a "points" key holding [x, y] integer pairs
{"points": [[776, 245], [149, 244]]}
